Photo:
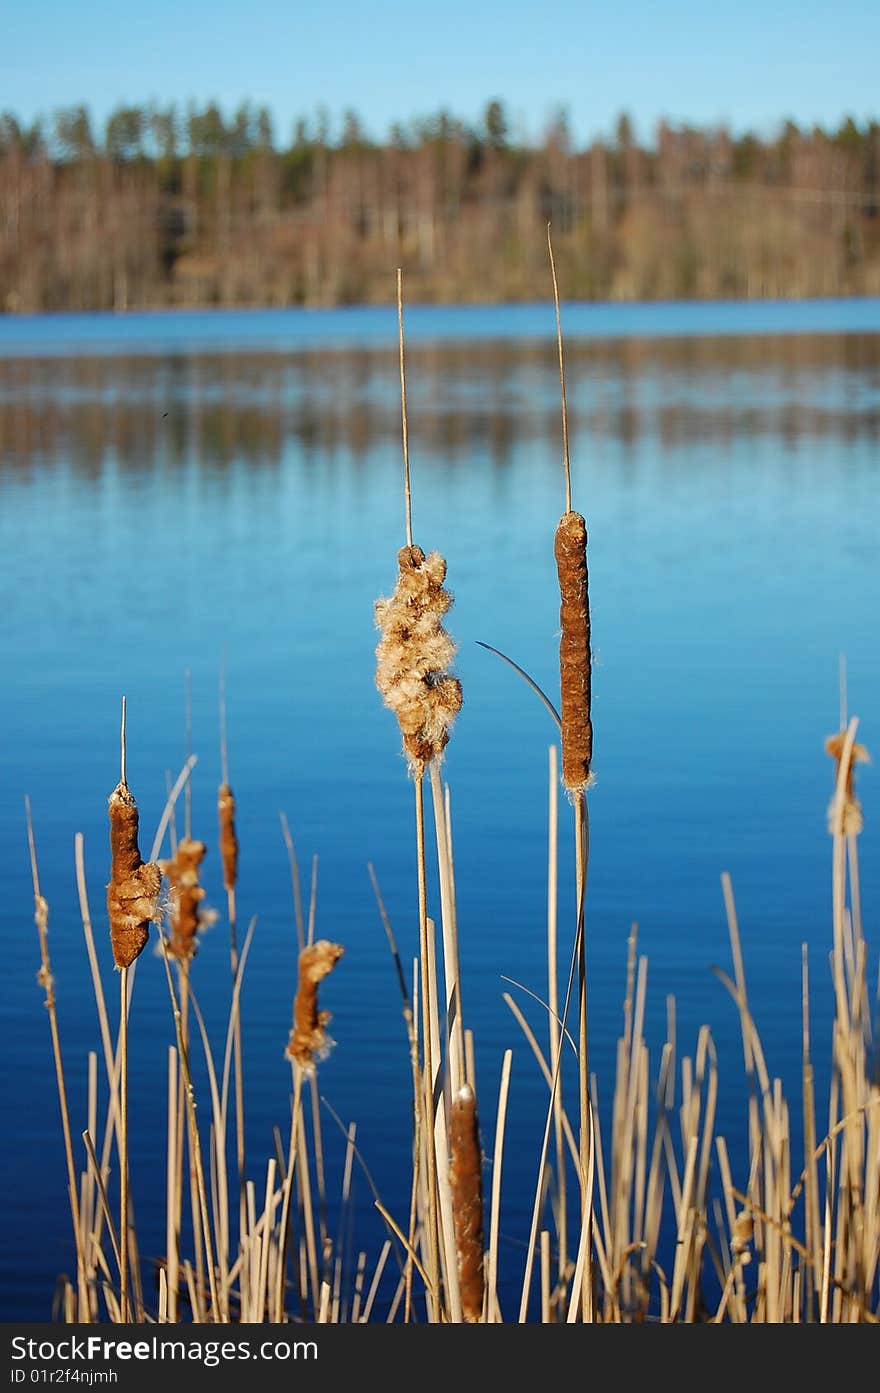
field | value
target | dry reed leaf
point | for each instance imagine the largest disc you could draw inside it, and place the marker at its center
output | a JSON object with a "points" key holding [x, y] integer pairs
{"points": [[186, 896], [852, 809], [308, 1039], [414, 653], [133, 891], [570, 548], [465, 1178], [228, 838]]}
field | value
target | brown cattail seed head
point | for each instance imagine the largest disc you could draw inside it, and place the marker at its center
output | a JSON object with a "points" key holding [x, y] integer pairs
{"points": [[850, 819], [574, 650], [413, 654], [186, 896], [465, 1178], [133, 891], [228, 839], [308, 1039]]}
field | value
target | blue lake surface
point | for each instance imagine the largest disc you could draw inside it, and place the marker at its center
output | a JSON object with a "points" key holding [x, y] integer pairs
{"points": [[182, 490]]}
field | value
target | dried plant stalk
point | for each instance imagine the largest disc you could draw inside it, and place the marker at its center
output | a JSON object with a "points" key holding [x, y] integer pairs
{"points": [[574, 650], [308, 1039], [465, 1178], [228, 838], [133, 891], [413, 654], [187, 894]]}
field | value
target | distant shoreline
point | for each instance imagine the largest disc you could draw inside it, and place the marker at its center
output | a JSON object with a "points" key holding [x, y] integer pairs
{"points": [[372, 328]]}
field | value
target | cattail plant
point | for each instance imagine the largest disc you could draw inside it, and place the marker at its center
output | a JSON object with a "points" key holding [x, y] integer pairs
{"points": [[308, 1039], [415, 650], [570, 548], [413, 654], [132, 904], [412, 674], [845, 812], [307, 1045], [187, 894], [575, 671], [133, 889], [465, 1176], [228, 838]]}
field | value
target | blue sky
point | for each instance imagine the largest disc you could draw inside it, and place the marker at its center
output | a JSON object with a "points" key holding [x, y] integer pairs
{"points": [[749, 64]]}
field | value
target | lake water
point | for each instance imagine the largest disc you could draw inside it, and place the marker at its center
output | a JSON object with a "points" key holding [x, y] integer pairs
{"points": [[177, 491]]}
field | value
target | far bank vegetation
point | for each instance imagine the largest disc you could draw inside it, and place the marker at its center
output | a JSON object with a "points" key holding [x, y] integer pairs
{"points": [[197, 208]]}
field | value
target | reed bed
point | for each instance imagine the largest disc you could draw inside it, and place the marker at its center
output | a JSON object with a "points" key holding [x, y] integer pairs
{"points": [[670, 1224]]}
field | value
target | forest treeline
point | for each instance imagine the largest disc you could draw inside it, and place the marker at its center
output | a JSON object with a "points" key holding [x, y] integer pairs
{"points": [[170, 208]]}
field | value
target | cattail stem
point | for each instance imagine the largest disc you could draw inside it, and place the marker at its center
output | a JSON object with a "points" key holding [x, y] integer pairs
{"points": [[187, 796], [172, 1181], [581, 836], [566, 461], [409, 1016], [287, 1190], [433, 1233], [451, 968], [413, 1204], [418, 1133], [407, 493], [229, 858], [176, 1217], [224, 746], [238, 1071], [581, 823], [555, 1041], [123, 1145], [554, 1085], [186, 1162]]}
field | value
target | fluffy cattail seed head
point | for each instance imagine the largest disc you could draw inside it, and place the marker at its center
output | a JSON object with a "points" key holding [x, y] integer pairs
{"points": [[413, 654], [575, 665], [228, 838], [848, 820], [465, 1178], [308, 1039], [186, 896], [133, 891], [743, 1232]]}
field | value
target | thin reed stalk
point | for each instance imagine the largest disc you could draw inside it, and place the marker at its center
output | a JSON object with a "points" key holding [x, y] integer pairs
{"points": [[287, 1191], [47, 982], [201, 1216], [229, 856], [456, 1064], [410, 1017], [555, 1041]]}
